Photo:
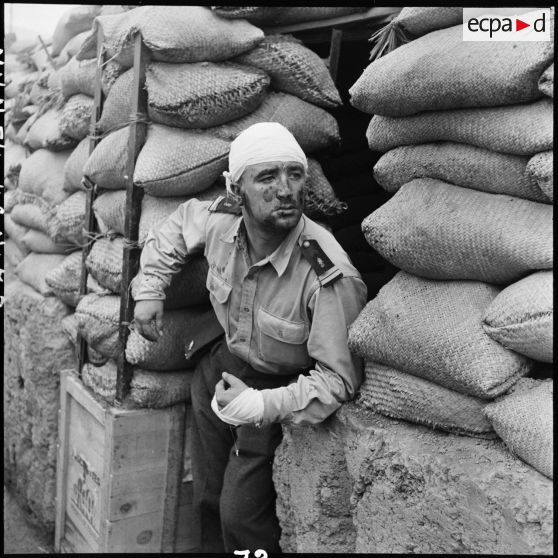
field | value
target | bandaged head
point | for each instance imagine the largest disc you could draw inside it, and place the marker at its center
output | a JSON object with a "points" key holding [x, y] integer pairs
{"points": [[261, 143]]}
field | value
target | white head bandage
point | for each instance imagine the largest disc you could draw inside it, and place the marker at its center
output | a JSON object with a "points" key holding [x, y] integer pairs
{"points": [[260, 143]]}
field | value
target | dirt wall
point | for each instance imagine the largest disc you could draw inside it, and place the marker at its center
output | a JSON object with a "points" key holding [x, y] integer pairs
{"points": [[35, 350], [365, 483]]}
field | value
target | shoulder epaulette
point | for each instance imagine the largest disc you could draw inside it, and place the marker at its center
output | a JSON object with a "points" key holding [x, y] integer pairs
{"points": [[326, 271], [225, 205]]}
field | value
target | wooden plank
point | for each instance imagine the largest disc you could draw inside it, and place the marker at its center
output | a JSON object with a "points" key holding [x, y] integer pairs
{"points": [[74, 387], [90, 224], [73, 541], [124, 483], [135, 534], [138, 502], [184, 541], [134, 194]]}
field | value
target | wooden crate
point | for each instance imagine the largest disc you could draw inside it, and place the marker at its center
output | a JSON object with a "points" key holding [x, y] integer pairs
{"points": [[119, 474]]}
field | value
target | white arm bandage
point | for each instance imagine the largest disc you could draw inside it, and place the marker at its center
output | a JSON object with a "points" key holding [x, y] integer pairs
{"points": [[245, 408]]}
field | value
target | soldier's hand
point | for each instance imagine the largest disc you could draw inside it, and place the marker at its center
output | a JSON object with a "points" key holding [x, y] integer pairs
{"points": [[225, 395], [148, 317]]}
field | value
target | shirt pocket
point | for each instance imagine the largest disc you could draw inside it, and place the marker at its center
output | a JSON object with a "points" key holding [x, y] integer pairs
{"points": [[219, 294], [282, 341]]}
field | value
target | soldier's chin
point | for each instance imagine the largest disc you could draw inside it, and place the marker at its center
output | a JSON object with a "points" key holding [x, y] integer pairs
{"points": [[286, 219]]}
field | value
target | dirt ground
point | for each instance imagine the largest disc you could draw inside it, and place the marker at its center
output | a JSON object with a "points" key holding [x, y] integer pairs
{"points": [[20, 536]]}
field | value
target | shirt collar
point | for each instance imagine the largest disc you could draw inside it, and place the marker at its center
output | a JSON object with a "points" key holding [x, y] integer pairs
{"points": [[282, 254]]}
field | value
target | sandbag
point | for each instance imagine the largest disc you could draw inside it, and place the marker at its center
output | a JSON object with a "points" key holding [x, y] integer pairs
{"points": [[75, 120], [187, 287], [320, 198], [175, 162], [33, 269], [111, 71], [399, 395], [106, 166], [518, 129], [546, 81], [72, 47], [64, 280], [14, 155], [148, 389], [110, 209], [173, 34], [42, 175], [521, 317], [73, 21], [269, 15], [40, 242], [104, 262], [13, 255], [441, 71], [179, 326], [540, 168], [11, 199], [46, 133], [78, 77], [460, 164], [203, 94], [416, 21], [73, 168], [441, 231], [30, 215], [433, 329], [313, 127], [38, 95], [66, 224], [117, 106], [98, 317], [70, 328], [524, 420], [15, 232], [293, 68]]}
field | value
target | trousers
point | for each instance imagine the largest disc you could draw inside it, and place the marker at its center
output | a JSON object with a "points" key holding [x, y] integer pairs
{"points": [[233, 492]]}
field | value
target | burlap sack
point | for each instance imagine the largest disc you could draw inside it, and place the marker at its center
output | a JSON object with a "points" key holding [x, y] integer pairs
{"points": [[64, 280], [75, 120], [70, 328], [176, 162], [172, 34], [37, 94], [14, 155], [540, 168], [106, 166], [11, 199], [15, 232], [73, 169], [13, 255], [117, 106], [417, 20], [78, 77], [66, 223], [459, 164], [441, 71], [524, 420], [37, 241], [518, 129], [187, 287], [441, 231], [320, 199], [313, 127], [111, 72], [110, 210], [268, 15], [521, 316], [33, 269], [203, 94], [399, 395], [433, 329], [30, 215], [72, 22], [98, 318], [42, 174], [148, 389], [546, 81], [45, 133], [293, 68], [168, 352], [71, 48], [104, 262]]}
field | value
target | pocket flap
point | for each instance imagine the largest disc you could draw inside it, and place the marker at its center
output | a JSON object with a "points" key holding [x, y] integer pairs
{"points": [[219, 288], [281, 329]]}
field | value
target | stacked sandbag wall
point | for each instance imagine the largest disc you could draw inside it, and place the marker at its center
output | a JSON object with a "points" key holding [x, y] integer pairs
{"points": [[469, 226]]}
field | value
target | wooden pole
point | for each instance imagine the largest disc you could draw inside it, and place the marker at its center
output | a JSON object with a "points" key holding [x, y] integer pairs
{"points": [[50, 59], [90, 225], [134, 194], [334, 51]]}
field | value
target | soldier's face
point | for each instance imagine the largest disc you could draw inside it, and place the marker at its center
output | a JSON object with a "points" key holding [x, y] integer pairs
{"points": [[273, 194]]}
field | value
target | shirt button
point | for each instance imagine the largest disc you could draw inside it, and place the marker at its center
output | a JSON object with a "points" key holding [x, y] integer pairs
{"points": [[306, 244]]}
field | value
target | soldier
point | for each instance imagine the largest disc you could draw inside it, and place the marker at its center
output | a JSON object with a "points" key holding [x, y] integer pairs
{"points": [[284, 292]]}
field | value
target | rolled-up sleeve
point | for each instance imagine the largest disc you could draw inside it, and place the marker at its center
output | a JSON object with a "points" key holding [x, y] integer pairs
{"points": [[338, 373], [182, 235]]}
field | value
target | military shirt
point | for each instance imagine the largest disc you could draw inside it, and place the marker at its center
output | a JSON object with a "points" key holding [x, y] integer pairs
{"points": [[276, 313]]}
